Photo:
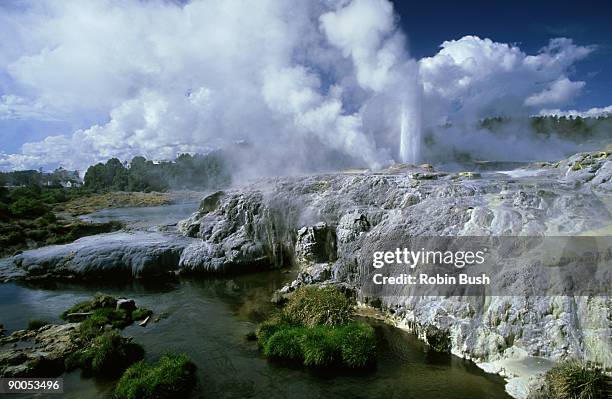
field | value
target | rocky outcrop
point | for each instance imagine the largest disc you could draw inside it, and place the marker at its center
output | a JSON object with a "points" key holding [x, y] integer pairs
{"points": [[111, 256], [235, 234], [39, 353]]}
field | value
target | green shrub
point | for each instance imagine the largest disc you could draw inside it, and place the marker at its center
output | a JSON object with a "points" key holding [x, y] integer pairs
{"points": [[320, 346], [285, 344], [25, 207], [36, 324], [576, 380], [351, 345], [172, 377], [267, 328], [5, 213], [108, 354], [47, 219], [357, 344], [310, 306], [37, 234]]}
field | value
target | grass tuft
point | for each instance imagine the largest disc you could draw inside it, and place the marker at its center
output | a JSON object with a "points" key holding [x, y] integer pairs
{"points": [[172, 377], [573, 379], [316, 329], [311, 306]]}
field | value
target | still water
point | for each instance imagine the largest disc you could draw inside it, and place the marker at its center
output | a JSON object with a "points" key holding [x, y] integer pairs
{"points": [[208, 319]]}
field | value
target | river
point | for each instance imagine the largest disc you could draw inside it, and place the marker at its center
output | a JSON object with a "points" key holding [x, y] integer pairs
{"points": [[208, 320]]}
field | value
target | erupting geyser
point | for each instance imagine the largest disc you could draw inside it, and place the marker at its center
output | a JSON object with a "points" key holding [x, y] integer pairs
{"points": [[410, 125]]}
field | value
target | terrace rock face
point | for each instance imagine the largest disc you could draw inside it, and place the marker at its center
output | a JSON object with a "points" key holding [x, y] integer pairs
{"points": [[333, 221]]}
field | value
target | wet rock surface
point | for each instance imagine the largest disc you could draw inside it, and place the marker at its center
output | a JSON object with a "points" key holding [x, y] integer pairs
{"points": [[39, 353]]}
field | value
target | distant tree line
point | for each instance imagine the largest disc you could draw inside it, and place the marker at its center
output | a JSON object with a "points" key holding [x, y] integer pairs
{"points": [[27, 178], [198, 171], [564, 126]]}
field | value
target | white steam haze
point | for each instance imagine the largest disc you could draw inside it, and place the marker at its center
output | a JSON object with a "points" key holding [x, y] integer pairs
{"points": [[306, 84]]}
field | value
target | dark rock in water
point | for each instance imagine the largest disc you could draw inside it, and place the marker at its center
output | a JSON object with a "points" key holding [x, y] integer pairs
{"points": [[438, 339], [126, 304]]}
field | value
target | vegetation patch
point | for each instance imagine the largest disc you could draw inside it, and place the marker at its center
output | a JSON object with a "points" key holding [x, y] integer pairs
{"points": [[108, 354], [311, 306], [172, 376], [573, 379], [28, 218], [118, 199], [104, 351], [100, 313], [316, 328]]}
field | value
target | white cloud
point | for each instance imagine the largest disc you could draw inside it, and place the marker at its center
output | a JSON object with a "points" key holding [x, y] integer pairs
{"points": [[560, 91], [471, 78]]}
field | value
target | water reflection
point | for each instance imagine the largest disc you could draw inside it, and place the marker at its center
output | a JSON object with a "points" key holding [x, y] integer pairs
{"points": [[208, 319]]}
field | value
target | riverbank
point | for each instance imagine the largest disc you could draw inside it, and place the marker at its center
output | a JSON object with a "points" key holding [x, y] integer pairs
{"points": [[49, 217], [120, 199], [518, 369]]}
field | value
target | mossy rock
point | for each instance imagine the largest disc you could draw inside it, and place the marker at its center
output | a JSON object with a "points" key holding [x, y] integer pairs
{"points": [[173, 376], [108, 354], [99, 301], [100, 313], [438, 339]]}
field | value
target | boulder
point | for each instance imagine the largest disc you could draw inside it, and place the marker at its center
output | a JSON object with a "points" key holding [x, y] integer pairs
{"points": [[126, 304]]}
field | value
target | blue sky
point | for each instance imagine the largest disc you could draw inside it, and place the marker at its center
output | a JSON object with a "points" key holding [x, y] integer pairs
{"points": [[530, 24], [85, 81]]}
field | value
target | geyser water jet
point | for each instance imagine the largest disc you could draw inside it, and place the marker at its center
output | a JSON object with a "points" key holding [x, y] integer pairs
{"points": [[410, 131]]}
